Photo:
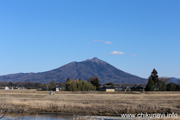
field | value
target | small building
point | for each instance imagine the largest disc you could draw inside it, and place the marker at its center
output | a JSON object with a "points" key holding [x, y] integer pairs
{"points": [[107, 88], [20, 88], [57, 89], [7, 88], [60, 87], [110, 90]]}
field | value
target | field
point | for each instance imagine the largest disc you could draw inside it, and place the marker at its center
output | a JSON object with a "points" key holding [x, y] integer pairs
{"points": [[89, 103]]}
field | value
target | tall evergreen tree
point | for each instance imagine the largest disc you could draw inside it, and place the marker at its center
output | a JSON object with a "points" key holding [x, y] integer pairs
{"points": [[154, 84]]}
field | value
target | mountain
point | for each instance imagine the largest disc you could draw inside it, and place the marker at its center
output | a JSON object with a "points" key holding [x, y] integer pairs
{"points": [[75, 70], [175, 80], [170, 80]]}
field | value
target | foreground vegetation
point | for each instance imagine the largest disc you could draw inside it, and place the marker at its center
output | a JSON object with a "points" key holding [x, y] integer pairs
{"points": [[89, 103]]}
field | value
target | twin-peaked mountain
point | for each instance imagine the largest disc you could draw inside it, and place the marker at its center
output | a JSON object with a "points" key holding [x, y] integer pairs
{"points": [[75, 70]]}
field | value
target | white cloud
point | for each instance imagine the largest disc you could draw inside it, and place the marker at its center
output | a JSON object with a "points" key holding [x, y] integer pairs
{"points": [[108, 42], [117, 53], [103, 41]]}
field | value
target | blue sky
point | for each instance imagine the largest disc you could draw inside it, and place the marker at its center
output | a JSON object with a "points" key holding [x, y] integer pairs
{"points": [[133, 35]]}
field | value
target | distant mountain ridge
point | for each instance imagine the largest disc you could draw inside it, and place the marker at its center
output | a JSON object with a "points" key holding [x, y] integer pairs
{"points": [[175, 80], [75, 70]]}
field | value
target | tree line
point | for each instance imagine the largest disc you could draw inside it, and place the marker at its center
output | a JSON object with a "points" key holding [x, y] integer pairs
{"points": [[79, 85], [31, 85], [28, 85], [69, 85]]}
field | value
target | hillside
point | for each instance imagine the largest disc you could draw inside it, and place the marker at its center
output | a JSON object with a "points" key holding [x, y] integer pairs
{"points": [[75, 70]]}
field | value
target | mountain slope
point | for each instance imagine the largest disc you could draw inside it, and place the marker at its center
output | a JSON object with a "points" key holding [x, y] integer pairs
{"points": [[175, 80], [75, 70]]}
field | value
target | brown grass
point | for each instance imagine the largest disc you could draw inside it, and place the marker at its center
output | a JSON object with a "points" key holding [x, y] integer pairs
{"points": [[89, 103]]}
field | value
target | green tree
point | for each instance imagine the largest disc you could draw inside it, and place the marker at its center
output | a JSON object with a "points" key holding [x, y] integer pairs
{"points": [[52, 85], [95, 82], [172, 87], [161, 86], [177, 87], [79, 85], [154, 84], [110, 84], [10, 84], [150, 85]]}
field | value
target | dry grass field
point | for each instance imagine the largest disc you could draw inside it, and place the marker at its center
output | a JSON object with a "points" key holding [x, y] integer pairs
{"points": [[89, 103]]}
